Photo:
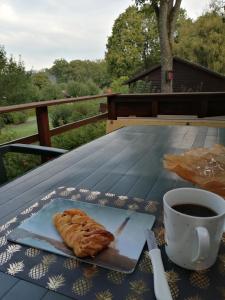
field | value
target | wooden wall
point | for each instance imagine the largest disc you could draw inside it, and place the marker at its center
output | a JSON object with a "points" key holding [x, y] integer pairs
{"points": [[187, 78]]}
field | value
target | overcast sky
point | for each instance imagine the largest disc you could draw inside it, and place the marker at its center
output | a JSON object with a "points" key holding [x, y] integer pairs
{"points": [[44, 30]]}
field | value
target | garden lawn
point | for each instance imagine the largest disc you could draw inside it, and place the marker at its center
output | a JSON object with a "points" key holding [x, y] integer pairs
{"points": [[21, 130]]}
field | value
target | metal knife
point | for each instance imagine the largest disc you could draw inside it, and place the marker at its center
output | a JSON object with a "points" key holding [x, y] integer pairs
{"points": [[161, 287]]}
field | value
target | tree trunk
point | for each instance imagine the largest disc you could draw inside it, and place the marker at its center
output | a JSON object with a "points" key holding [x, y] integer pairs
{"points": [[166, 47], [166, 13]]}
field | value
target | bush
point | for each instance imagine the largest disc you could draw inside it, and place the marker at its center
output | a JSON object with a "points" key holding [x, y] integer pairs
{"points": [[79, 136], [51, 91], [64, 114], [60, 115], [19, 117], [16, 118], [7, 118], [93, 89], [79, 89]]}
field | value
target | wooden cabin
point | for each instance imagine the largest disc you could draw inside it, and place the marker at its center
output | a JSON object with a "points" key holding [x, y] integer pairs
{"points": [[187, 77]]}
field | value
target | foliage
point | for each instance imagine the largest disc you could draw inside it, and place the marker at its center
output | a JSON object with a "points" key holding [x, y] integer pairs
{"points": [[77, 88], [118, 85], [81, 71], [134, 42], [218, 7], [60, 115], [141, 86], [80, 136], [18, 86], [202, 41], [17, 164], [40, 79], [64, 114], [51, 91], [15, 82], [61, 70], [6, 137], [2, 124], [17, 117], [21, 130], [93, 89]]}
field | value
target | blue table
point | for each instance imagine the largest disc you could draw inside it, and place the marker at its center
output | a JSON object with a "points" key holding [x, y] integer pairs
{"points": [[126, 162]]}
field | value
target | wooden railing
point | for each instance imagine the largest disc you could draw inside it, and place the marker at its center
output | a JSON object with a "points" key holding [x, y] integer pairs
{"points": [[151, 105], [44, 132], [123, 105]]}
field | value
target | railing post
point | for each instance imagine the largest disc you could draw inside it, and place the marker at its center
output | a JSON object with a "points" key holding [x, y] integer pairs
{"points": [[43, 126], [111, 108]]}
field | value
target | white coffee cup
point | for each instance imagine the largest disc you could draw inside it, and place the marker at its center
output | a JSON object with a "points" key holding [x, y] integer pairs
{"points": [[193, 242]]}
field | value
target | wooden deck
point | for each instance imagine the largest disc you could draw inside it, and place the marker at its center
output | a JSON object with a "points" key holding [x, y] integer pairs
{"points": [[126, 162]]}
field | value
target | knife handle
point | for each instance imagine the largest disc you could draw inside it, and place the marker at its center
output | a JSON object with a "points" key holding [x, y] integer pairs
{"points": [[161, 287]]}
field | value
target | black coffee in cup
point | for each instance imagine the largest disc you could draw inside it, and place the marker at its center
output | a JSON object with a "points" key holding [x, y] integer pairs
{"points": [[195, 210]]}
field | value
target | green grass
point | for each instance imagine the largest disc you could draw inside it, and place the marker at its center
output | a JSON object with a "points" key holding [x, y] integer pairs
{"points": [[21, 130]]}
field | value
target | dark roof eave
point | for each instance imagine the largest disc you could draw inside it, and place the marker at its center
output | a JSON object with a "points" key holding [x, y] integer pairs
{"points": [[142, 74]]}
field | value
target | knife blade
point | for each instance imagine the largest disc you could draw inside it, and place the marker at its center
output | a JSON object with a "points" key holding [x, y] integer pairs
{"points": [[161, 287]]}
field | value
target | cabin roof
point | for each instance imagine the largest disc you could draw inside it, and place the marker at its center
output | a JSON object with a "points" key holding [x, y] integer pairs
{"points": [[177, 59]]}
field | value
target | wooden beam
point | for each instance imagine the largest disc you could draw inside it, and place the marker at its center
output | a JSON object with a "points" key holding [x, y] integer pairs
{"points": [[113, 125], [11, 108]]}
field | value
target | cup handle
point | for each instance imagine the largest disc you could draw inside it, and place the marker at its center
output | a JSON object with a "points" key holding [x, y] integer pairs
{"points": [[203, 244]]}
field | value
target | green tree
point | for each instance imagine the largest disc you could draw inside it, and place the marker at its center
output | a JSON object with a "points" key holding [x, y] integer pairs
{"points": [[134, 42], [40, 79], [81, 71], [61, 70], [202, 41], [51, 91], [217, 6], [118, 85], [3, 59], [15, 83], [100, 74], [166, 12]]}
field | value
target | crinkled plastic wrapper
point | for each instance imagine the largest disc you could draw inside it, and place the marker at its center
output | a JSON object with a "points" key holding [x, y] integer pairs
{"points": [[202, 166]]}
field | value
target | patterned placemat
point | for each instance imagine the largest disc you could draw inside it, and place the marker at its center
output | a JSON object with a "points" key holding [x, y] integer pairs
{"points": [[83, 281]]}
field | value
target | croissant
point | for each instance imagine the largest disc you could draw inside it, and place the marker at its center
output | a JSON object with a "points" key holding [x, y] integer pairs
{"points": [[81, 233]]}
